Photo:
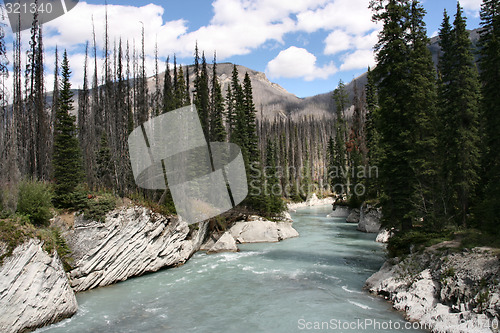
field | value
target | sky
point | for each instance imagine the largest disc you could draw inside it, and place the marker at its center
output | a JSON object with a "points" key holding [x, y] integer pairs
{"points": [[306, 46]]}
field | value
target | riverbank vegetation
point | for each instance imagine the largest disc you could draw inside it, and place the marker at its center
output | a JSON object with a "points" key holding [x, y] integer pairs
{"points": [[433, 131]]}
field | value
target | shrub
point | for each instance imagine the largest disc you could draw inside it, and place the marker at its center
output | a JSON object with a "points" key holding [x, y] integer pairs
{"points": [[35, 201], [97, 206], [402, 244]]}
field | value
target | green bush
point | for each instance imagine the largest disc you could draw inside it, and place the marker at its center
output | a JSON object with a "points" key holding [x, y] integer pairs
{"points": [[97, 206], [35, 201], [403, 244]]}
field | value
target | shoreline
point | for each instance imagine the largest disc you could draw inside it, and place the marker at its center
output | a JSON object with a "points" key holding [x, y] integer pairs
{"points": [[444, 290], [311, 202]]}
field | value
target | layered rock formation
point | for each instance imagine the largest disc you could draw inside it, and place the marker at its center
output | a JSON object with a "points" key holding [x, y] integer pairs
{"points": [[259, 230], [369, 219], [446, 292], [132, 241], [34, 289]]}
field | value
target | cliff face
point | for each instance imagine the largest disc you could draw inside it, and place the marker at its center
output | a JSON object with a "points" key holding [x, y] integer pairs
{"points": [[448, 292], [132, 241], [34, 289]]}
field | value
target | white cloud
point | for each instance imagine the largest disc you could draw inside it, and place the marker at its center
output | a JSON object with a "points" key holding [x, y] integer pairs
{"points": [[297, 62], [75, 28], [237, 27], [240, 26], [353, 16], [358, 60], [337, 41], [472, 6]]}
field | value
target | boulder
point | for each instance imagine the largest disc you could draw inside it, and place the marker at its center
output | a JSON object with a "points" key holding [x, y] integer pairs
{"points": [[369, 220], [383, 236], [132, 241], [34, 289], [353, 216], [210, 242], [262, 231], [339, 211], [312, 201], [226, 243]]}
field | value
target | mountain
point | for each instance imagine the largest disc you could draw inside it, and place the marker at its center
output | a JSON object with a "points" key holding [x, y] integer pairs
{"points": [[273, 101]]}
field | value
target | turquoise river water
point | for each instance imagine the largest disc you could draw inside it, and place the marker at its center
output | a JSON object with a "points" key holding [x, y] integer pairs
{"points": [[307, 284]]}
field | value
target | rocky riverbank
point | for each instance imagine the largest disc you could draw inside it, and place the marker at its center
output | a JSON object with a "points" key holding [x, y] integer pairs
{"points": [[36, 291], [312, 201], [132, 241], [443, 288], [253, 229]]}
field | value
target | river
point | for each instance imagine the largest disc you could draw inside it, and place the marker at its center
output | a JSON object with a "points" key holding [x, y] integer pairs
{"points": [[314, 281]]}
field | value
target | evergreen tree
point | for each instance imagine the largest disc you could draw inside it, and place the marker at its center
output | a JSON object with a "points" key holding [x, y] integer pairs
{"points": [[251, 144], [252, 141], [180, 90], [217, 129], [459, 101], [168, 91], [421, 109], [490, 76], [230, 115], [203, 97], [372, 138], [406, 116], [238, 126], [275, 203], [67, 162], [340, 181]]}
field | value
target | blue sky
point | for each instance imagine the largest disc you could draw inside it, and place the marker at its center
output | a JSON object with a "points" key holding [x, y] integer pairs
{"points": [[306, 46]]}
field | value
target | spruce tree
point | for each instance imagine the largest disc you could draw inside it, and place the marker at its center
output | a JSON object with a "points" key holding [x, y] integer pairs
{"points": [[181, 96], [489, 211], [459, 108], [238, 128], [406, 116], [275, 204], [202, 97], [230, 115], [67, 160], [340, 179], [372, 138], [421, 109], [251, 144], [168, 90], [217, 129]]}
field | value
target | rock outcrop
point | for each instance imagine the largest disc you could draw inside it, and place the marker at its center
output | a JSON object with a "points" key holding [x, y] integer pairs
{"points": [[353, 216], [369, 220], [34, 289], [455, 292], [259, 230], [384, 235], [226, 243], [340, 211], [312, 201], [131, 242]]}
